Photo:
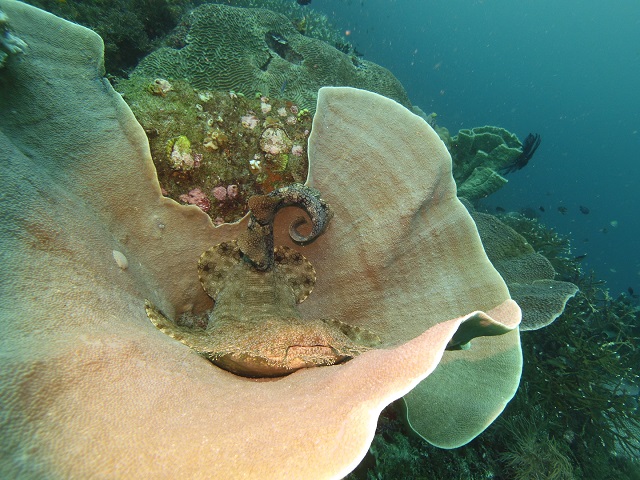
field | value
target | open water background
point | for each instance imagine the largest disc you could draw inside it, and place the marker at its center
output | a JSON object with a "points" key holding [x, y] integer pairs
{"points": [[568, 70]]}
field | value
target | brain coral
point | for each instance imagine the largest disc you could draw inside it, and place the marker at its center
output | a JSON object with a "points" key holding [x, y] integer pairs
{"points": [[256, 50]]}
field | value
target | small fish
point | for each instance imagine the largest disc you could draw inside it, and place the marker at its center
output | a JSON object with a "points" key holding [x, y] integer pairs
{"points": [[631, 293], [303, 2], [500, 210], [283, 87], [562, 209], [580, 257], [278, 38], [541, 208], [584, 209]]}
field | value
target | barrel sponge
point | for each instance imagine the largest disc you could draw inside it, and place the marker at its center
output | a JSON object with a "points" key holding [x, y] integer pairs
{"points": [[257, 50]]}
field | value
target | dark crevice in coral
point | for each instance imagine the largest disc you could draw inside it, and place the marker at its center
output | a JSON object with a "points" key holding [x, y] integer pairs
{"points": [[279, 45], [265, 65]]}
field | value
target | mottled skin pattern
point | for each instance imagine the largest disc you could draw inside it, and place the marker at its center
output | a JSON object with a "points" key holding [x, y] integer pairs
{"points": [[255, 329], [257, 243]]}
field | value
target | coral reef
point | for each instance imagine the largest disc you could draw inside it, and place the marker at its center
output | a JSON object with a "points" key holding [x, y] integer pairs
{"points": [[478, 155], [257, 50], [547, 242], [531, 454], [580, 369], [348, 122], [576, 413], [305, 20], [130, 28], [74, 330], [589, 363], [221, 146], [89, 385], [528, 274]]}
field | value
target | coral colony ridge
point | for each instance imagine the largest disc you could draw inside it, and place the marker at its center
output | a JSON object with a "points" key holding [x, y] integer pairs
{"points": [[230, 107]]}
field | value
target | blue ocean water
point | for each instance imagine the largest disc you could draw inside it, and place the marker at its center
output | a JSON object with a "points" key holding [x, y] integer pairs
{"points": [[569, 71]]}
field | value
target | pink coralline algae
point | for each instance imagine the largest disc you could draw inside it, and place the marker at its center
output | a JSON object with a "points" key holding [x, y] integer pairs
{"points": [[297, 150], [230, 192], [220, 193], [249, 121], [275, 141], [196, 197]]}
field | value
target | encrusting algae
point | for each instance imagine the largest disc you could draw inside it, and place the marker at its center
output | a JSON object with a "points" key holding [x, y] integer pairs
{"points": [[205, 141]]}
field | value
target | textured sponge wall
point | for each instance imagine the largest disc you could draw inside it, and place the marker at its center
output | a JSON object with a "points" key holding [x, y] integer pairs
{"points": [[256, 50]]}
